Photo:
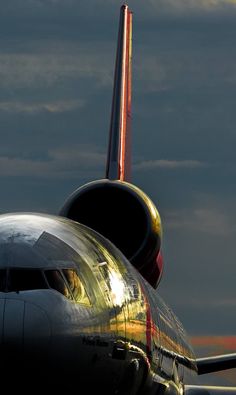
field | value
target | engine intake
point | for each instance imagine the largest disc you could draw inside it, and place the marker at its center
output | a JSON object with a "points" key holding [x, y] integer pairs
{"points": [[126, 216]]}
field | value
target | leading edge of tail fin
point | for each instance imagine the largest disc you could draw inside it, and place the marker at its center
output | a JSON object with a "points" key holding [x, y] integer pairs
{"points": [[119, 149]]}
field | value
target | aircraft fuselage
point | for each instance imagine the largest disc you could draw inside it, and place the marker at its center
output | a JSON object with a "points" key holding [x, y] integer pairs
{"points": [[71, 305]]}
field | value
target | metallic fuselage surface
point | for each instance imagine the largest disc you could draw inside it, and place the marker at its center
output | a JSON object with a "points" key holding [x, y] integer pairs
{"points": [[73, 306]]}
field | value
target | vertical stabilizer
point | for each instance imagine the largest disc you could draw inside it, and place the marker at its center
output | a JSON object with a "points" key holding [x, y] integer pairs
{"points": [[119, 150]]}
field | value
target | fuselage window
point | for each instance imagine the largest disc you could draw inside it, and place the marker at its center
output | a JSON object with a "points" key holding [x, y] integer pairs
{"points": [[57, 282], [76, 287]]}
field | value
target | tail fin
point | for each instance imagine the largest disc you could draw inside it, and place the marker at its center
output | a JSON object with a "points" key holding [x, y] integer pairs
{"points": [[119, 149]]}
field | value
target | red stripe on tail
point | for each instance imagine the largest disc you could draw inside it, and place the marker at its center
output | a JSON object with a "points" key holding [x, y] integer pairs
{"points": [[119, 151]]}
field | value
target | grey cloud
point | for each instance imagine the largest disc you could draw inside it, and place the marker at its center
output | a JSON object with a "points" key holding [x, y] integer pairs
{"points": [[186, 6], [210, 303], [188, 69], [32, 70], [60, 163], [205, 220], [34, 108], [152, 74], [38, 7], [168, 164], [205, 213]]}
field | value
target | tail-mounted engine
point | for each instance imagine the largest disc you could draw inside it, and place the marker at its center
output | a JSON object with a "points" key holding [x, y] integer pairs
{"points": [[126, 216]]}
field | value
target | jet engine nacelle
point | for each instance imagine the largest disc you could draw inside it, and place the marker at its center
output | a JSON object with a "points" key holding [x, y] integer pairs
{"points": [[126, 216]]}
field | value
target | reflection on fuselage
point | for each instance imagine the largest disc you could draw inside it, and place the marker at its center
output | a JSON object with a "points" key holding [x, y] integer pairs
{"points": [[72, 303]]}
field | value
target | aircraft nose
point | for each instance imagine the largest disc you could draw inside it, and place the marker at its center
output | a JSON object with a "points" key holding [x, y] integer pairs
{"points": [[24, 326]]}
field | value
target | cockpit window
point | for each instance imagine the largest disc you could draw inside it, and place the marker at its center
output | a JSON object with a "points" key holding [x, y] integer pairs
{"points": [[23, 280], [16, 280], [57, 282], [66, 281], [3, 280], [76, 287]]}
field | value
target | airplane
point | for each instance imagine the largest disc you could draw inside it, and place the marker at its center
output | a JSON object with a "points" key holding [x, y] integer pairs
{"points": [[80, 311]]}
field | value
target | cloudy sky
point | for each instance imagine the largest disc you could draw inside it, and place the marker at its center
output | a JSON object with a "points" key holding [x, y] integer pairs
{"points": [[56, 72]]}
